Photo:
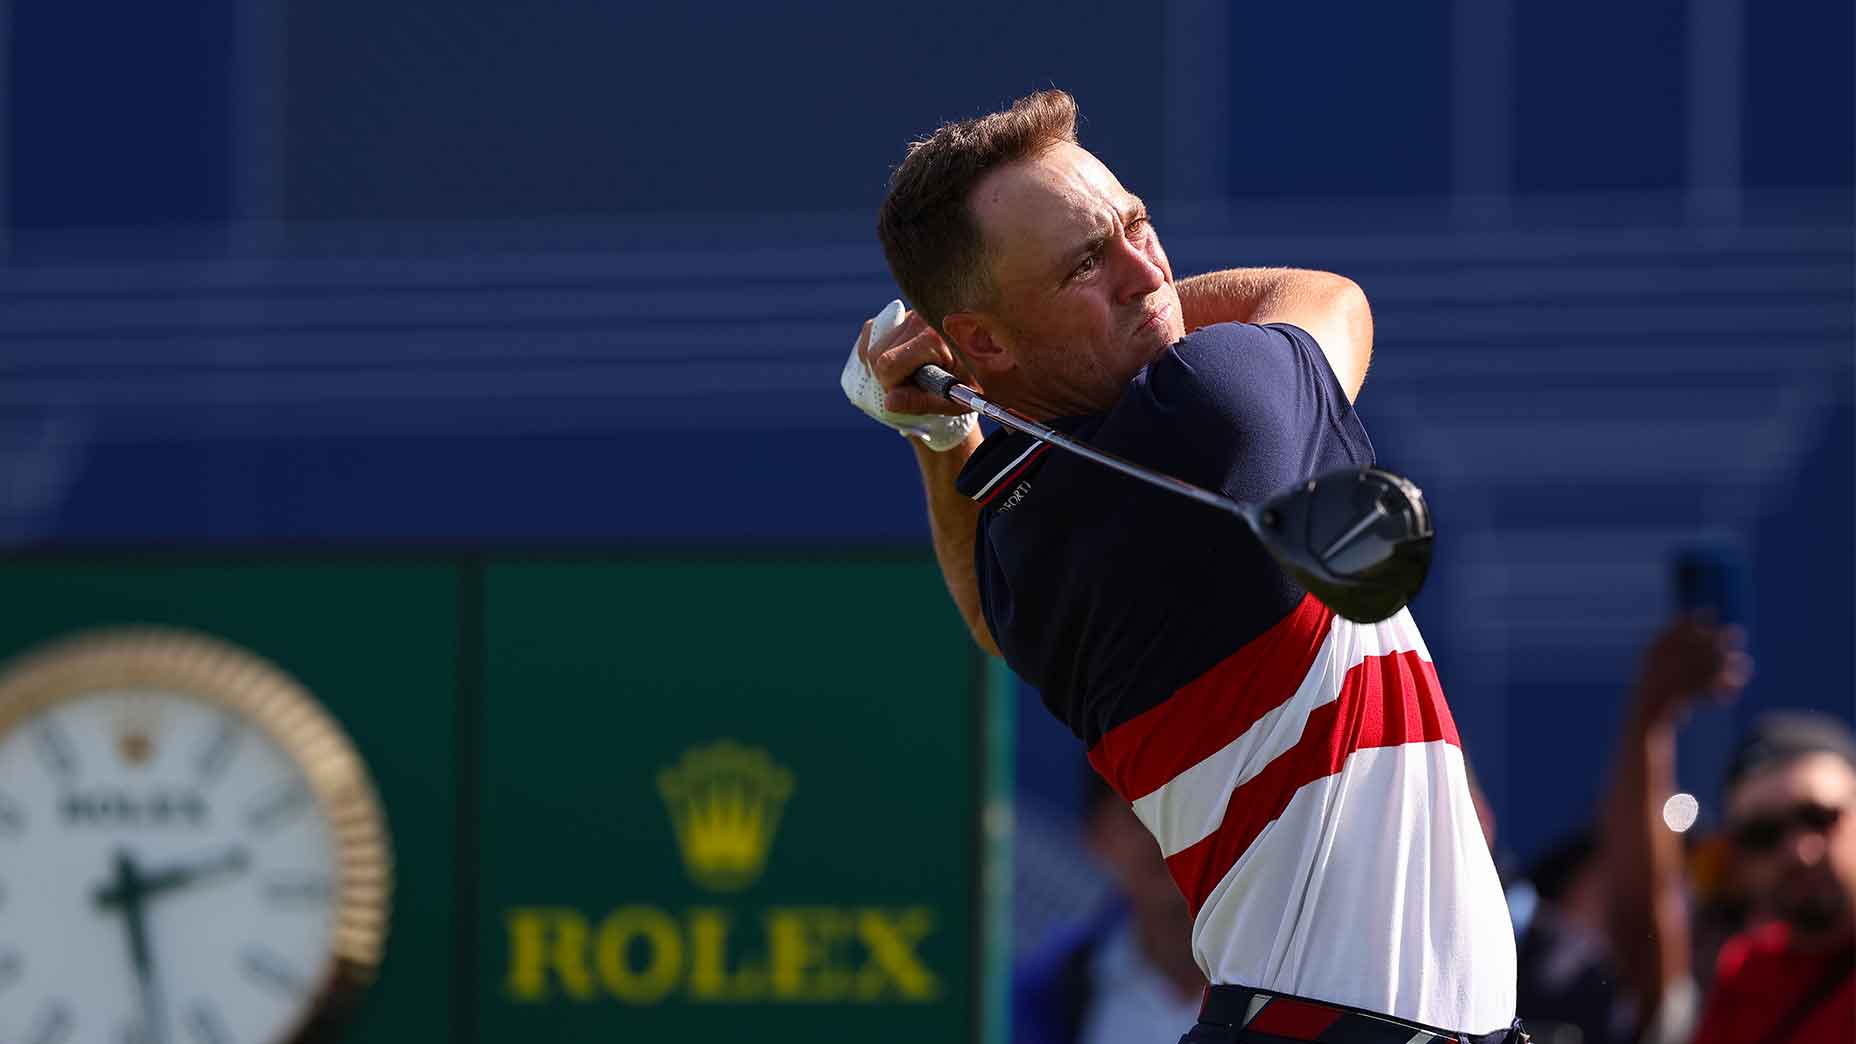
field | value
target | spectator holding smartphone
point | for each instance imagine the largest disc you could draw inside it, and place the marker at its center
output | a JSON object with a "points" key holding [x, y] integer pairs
{"points": [[1790, 802]]}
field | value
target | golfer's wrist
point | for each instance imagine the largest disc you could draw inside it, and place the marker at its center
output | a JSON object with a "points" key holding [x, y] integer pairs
{"points": [[953, 458]]}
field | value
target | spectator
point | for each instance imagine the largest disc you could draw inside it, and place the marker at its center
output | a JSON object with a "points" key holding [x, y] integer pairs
{"points": [[1689, 660], [1791, 977], [1126, 975], [1567, 986], [1790, 796]]}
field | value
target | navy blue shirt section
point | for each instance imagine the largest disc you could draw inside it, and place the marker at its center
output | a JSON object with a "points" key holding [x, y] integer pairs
{"points": [[1109, 594]]}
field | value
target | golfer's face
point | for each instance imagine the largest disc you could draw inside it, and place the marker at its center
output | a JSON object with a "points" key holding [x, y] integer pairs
{"points": [[1085, 292]]}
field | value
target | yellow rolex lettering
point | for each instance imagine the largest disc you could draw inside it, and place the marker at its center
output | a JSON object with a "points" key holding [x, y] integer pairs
{"points": [[891, 939], [544, 939], [802, 947], [642, 955], [662, 945], [710, 979]]}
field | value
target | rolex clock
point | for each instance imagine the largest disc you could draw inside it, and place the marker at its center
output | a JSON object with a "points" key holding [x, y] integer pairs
{"points": [[191, 851]]}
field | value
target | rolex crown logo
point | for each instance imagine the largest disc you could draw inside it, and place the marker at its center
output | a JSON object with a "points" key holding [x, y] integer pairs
{"points": [[725, 801], [136, 721]]}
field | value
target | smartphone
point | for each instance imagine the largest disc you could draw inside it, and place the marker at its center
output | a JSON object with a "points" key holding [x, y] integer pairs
{"points": [[1710, 575]]}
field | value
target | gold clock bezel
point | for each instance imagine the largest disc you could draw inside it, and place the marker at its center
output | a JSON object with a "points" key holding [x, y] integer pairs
{"points": [[194, 665]]}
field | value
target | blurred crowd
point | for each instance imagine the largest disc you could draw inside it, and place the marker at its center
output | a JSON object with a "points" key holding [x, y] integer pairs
{"points": [[1636, 929]]}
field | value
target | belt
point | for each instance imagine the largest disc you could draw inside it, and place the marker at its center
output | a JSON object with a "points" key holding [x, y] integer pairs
{"points": [[1298, 1018]]}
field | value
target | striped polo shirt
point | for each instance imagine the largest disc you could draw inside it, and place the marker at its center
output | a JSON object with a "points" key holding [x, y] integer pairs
{"points": [[1301, 772]]}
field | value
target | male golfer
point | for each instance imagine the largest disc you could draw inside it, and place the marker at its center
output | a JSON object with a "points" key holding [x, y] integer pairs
{"points": [[1301, 773]]}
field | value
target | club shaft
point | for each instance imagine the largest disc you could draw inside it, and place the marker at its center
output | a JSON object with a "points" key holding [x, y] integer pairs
{"points": [[972, 400]]}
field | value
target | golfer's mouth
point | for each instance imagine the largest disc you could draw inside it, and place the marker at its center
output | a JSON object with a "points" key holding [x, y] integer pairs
{"points": [[1152, 321]]}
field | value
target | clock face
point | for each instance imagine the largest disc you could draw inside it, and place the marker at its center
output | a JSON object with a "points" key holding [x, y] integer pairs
{"points": [[170, 869]]}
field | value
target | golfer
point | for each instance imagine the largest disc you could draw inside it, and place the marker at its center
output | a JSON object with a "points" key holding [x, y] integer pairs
{"points": [[1301, 773]]}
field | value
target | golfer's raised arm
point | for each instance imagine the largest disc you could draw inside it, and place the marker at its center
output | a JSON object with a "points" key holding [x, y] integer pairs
{"points": [[888, 351], [952, 519], [1331, 308], [952, 516]]}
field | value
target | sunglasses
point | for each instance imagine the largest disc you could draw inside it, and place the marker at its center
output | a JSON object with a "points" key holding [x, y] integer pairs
{"points": [[1764, 833]]}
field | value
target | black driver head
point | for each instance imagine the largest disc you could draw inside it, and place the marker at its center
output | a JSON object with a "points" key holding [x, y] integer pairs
{"points": [[1359, 540]]}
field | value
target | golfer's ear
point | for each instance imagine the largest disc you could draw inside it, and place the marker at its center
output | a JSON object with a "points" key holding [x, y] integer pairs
{"points": [[972, 337]]}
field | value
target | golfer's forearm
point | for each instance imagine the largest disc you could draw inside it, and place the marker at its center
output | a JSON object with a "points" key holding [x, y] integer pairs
{"points": [[1330, 308], [1240, 295], [953, 519], [1229, 296]]}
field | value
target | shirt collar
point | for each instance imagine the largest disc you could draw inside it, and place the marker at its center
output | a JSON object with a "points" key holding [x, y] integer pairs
{"points": [[1005, 455]]}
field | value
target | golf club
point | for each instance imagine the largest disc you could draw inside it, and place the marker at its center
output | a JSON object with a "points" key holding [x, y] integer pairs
{"points": [[1358, 539]]}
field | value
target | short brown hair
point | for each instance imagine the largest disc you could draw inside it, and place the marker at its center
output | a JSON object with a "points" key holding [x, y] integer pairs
{"points": [[930, 238]]}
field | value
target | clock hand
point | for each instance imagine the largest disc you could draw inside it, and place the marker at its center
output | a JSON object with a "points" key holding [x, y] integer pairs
{"points": [[232, 862], [128, 891], [149, 885]]}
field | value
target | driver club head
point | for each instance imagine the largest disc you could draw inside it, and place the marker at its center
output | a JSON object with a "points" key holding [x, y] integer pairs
{"points": [[1359, 540]]}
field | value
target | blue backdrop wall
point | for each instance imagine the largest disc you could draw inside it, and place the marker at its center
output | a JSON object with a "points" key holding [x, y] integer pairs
{"points": [[415, 273]]}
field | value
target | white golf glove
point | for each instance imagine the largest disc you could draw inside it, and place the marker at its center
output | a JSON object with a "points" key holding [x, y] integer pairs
{"points": [[940, 432]]}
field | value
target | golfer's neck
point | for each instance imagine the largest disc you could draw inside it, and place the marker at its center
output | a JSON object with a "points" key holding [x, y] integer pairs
{"points": [[1045, 407]]}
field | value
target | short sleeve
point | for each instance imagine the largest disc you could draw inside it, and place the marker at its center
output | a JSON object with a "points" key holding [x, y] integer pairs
{"points": [[1253, 409]]}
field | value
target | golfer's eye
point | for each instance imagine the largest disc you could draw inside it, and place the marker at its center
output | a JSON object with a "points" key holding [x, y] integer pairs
{"points": [[1089, 265]]}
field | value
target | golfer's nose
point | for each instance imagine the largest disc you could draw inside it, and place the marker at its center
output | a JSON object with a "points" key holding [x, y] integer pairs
{"points": [[1138, 275]]}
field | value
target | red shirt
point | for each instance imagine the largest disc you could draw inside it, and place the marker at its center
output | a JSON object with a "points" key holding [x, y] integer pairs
{"points": [[1761, 981]]}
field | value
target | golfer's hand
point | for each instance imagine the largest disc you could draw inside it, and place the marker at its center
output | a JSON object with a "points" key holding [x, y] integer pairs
{"points": [[876, 378], [894, 357], [1691, 659]]}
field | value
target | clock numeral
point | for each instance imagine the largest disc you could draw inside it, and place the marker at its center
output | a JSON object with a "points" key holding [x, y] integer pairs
{"points": [[12, 968], [219, 749], [295, 890], [55, 750], [272, 972], [278, 806], [202, 1023], [55, 1025], [12, 817]]}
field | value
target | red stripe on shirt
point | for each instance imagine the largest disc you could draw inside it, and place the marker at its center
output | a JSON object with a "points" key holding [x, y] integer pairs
{"points": [[1384, 701], [1006, 483], [1142, 754]]}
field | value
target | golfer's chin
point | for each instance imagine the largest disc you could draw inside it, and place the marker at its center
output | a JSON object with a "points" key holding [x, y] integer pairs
{"points": [[1160, 327], [1153, 337]]}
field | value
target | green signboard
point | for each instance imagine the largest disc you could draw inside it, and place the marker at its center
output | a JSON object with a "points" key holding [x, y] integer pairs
{"points": [[629, 797], [723, 796]]}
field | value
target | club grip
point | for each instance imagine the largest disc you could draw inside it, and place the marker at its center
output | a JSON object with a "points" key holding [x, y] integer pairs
{"points": [[934, 380]]}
